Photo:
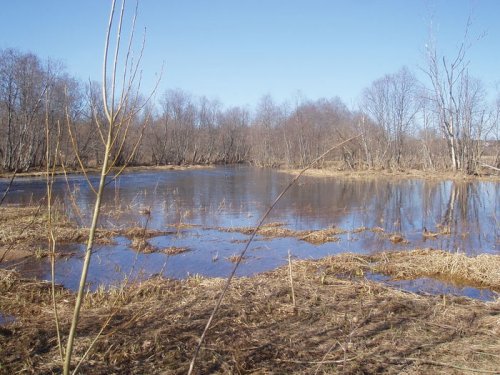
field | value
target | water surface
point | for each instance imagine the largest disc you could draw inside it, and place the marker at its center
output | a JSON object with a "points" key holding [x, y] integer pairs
{"points": [[217, 198]]}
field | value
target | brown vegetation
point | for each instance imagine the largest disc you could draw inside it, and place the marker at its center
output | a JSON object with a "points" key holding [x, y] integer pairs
{"points": [[339, 172], [334, 320], [23, 232], [482, 271], [338, 325], [59, 171], [174, 250], [276, 230]]}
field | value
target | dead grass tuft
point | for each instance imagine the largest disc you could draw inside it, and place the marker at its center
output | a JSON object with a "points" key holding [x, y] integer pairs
{"points": [[482, 271], [141, 245], [234, 258], [276, 230], [141, 232], [173, 250], [397, 238]]}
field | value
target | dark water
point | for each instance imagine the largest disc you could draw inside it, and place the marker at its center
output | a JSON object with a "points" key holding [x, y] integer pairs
{"points": [[237, 197]]}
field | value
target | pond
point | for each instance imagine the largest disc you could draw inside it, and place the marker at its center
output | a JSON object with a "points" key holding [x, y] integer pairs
{"points": [[214, 199]]}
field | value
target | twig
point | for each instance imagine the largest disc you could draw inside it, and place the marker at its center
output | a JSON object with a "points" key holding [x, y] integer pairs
{"points": [[317, 362], [291, 278], [490, 166], [323, 360], [8, 186], [233, 272], [443, 364], [49, 180]]}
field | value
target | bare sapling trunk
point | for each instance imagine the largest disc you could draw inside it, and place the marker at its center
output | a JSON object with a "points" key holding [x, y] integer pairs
{"points": [[121, 106], [51, 162]]}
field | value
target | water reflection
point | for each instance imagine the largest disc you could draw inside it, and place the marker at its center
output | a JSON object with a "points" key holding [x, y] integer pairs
{"points": [[229, 197]]}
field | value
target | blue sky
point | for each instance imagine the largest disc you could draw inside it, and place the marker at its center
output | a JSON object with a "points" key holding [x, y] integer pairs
{"points": [[237, 51]]}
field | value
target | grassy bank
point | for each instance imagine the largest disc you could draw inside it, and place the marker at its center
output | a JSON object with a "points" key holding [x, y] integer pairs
{"points": [[396, 174], [60, 171]]}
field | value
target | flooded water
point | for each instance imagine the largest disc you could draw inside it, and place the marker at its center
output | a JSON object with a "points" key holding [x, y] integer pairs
{"points": [[213, 199]]}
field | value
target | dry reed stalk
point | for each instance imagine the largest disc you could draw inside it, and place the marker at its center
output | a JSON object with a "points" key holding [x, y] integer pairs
{"points": [[291, 279]]}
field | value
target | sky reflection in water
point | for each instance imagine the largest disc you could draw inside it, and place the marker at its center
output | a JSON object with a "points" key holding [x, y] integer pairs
{"points": [[238, 197]]}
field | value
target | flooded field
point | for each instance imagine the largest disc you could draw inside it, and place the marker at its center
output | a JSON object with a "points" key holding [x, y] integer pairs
{"points": [[205, 215]]}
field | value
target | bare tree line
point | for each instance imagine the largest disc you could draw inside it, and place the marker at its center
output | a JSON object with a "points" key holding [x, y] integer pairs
{"points": [[446, 125]]}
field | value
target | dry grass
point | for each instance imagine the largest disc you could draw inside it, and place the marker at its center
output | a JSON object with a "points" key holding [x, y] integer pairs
{"points": [[339, 325], [482, 271], [397, 238], [276, 230], [174, 250], [234, 258], [394, 174], [43, 172], [24, 229], [141, 245]]}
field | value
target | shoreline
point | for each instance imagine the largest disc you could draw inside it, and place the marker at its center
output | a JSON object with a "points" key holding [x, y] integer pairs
{"points": [[312, 172], [403, 175], [23, 233], [60, 172]]}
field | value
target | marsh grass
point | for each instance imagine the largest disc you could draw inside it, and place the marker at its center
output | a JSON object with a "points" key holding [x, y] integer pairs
{"points": [[24, 229], [235, 258], [277, 230], [329, 172], [174, 250], [482, 271], [339, 323]]}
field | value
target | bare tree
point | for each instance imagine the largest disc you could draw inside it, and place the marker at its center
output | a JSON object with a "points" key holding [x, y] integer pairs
{"points": [[23, 84], [392, 103], [459, 103], [234, 124]]}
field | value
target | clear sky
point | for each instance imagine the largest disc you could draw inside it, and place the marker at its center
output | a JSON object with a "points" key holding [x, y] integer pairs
{"points": [[237, 51]]}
